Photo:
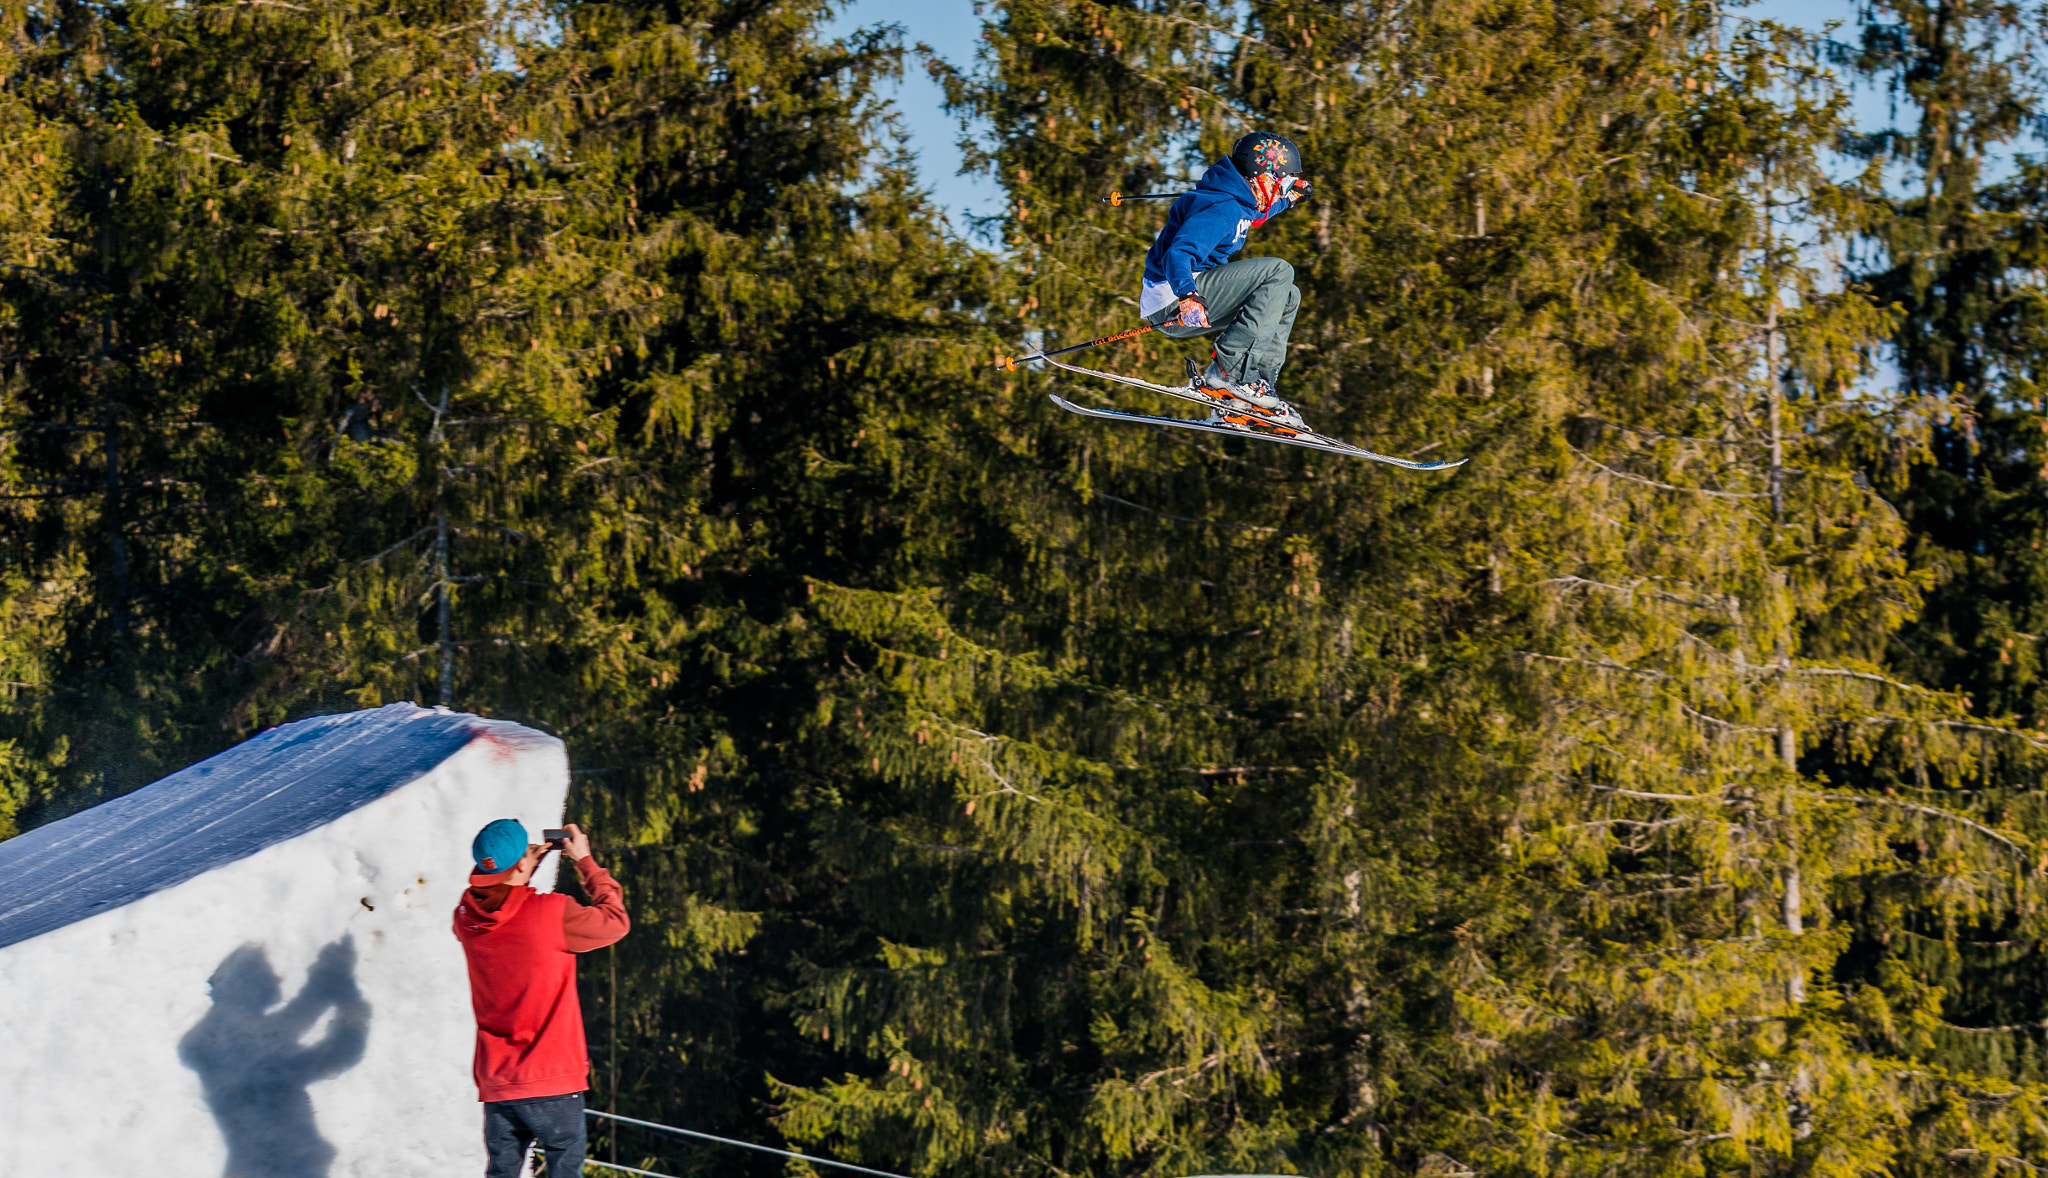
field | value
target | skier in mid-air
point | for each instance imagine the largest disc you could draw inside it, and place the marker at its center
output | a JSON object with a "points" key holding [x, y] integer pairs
{"points": [[1192, 288]]}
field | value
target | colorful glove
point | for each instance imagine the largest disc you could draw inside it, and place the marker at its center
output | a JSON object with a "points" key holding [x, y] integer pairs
{"points": [[1299, 192], [1193, 313], [1268, 189]]}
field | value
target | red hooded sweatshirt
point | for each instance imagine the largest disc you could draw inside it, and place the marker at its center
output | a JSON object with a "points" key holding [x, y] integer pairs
{"points": [[522, 946]]}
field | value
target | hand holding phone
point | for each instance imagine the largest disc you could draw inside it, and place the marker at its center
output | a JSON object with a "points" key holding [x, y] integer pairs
{"points": [[569, 840]]}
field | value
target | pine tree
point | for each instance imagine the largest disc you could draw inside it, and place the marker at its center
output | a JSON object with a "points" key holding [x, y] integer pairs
{"points": [[485, 364], [996, 790], [1957, 251], [32, 66], [326, 273], [1533, 758], [784, 422], [1955, 254]]}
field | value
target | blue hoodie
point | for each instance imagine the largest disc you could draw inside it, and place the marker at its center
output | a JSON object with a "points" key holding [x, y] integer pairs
{"points": [[1202, 230]]}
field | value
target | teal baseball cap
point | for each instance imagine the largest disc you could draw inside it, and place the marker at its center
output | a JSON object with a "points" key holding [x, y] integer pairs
{"points": [[497, 849]]}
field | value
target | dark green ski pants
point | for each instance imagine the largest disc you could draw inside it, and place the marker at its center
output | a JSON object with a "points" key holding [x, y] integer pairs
{"points": [[1252, 301]]}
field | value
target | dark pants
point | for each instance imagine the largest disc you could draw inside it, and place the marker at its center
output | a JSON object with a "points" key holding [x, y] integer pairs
{"points": [[556, 1122], [1252, 302]]}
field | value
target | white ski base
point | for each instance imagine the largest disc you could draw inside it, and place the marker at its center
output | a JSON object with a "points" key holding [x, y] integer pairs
{"points": [[1307, 439]]}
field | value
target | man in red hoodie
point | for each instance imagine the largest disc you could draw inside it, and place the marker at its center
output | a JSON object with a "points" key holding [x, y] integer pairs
{"points": [[531, 1062]]}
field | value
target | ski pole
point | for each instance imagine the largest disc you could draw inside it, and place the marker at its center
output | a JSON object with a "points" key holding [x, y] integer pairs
{"points": [[1009, 363], [1116, 198]]}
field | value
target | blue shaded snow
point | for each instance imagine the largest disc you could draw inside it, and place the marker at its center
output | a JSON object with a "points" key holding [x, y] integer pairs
{"points": [[277, 786]]}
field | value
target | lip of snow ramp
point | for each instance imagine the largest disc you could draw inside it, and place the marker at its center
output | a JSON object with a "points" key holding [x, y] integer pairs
{"points": [[273, 787]]}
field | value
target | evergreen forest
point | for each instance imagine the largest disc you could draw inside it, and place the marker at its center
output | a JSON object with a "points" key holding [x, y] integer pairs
{"points": [[1664, 793]]}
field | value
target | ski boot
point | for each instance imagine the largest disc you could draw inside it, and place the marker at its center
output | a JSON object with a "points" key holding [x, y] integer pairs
{"points": [[1260, 403], [1223, 408]]}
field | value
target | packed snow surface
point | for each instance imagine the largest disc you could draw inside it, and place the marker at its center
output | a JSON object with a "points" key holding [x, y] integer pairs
{"points": [[278, 786], [246, 969]]}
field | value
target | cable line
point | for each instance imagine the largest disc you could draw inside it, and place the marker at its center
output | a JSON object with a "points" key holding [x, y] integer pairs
{"points": [[742, 1144], [627, 1169]]}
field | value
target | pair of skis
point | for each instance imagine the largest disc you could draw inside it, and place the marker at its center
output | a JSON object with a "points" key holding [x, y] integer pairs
{"points": [[1227, 415]]}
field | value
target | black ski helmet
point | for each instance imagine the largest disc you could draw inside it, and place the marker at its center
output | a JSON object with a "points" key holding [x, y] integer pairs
{"points": [[1264, 153]]}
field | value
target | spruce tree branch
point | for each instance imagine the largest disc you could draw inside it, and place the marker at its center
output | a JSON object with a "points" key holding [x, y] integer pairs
{"points": [[397, 546], [1996, 1157], [2025, 856], [1183, 518], [1629, 591], [1725, 725], [1647, 825], [1676, 891], [1995, 1030], [1084, 280], [1209, 1064], [1950, 1082], [1636, 478], [212, 155], [1605, 666], [1711, 650], [1688, 709], [2012, 732], [1754, 329], [2015, 733], [1244, 118], [411, 656], [1587, 703], [1290, 476], [1646, 795], [1693, 952], [1653, 435], [51, 276], [1008, 788], [1170, 18], [1851, 673], [988, 762]]}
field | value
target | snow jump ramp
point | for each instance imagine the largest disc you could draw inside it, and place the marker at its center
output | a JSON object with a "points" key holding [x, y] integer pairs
{"points": [[245, 970]]}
